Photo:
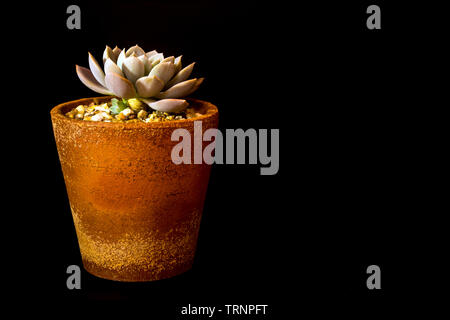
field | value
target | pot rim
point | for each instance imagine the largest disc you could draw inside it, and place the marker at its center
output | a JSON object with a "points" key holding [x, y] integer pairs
{"points": [[56, 113]]}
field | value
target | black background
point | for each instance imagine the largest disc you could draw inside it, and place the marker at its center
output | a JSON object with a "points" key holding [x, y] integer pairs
{"points": [[354, 108]]}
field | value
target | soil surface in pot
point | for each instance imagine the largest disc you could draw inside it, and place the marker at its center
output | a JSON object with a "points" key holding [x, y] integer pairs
{"points": [[125, 110]]}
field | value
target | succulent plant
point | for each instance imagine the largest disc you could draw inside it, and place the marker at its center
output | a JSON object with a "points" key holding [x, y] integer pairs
{"points": [[157, 81]]}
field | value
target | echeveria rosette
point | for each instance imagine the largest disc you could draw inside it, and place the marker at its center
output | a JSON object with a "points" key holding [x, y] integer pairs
{"points": [[157, 81]]}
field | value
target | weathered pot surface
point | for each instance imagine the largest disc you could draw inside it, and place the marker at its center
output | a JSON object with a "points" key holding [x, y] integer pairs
{"points": [[136, 213]]}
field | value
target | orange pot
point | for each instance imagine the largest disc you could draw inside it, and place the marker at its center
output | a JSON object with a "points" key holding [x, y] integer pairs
{"points": [[136, 213]]}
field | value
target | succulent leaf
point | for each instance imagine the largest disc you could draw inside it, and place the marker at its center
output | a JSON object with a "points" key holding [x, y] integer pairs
{"points": [[170, 59], [108, 53], [167, 105], [147, 101], [133, 68], [120, 86], [135, 49], [110, 67], [196, 86], [116, 51], [177, 64], [179, 90], [151, 65], [96, 70], [120, 58], [88, 79], [151, 53], [144, 60], [156, 58], [181, 75], [164, 71], [149, 86]]}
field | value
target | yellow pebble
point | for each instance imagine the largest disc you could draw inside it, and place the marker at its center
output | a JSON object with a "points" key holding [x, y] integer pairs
{"points": [[135, 104]]}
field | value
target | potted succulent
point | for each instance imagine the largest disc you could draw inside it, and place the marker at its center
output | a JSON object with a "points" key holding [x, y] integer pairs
{"points": [[136, 213]]}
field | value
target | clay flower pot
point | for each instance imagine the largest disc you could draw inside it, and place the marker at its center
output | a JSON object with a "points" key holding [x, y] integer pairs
{"points": [[136, 213]]}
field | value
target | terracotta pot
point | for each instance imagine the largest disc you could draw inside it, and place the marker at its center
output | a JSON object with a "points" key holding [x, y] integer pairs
{"points": [[136, 213]]}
